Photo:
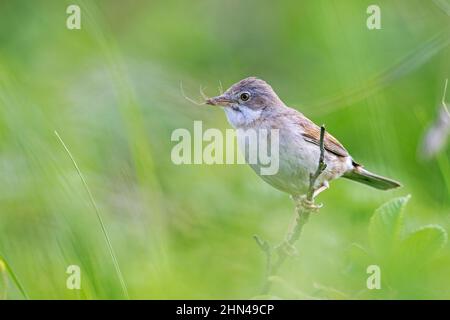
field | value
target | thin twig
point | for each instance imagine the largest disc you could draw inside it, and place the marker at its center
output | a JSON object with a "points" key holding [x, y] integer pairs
{"points": [[320, 168], [265, 247], [97, 211], [304, 207]]}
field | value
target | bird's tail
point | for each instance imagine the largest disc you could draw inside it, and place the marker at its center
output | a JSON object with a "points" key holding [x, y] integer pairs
{"points": [[359, 174]]}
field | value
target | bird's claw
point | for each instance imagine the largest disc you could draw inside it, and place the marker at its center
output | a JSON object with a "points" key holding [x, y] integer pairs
{"points": [[310, 205], [301, 202]]}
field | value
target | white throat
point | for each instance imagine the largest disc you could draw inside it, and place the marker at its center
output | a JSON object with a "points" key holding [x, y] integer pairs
{"points": [[242, 117]]}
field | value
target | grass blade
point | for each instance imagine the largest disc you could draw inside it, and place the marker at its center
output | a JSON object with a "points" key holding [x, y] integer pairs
{"points": [[4, 266], [100, 220]]}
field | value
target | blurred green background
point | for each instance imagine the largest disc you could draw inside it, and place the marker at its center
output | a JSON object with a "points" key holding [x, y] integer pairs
{"points": [[112, 91]]}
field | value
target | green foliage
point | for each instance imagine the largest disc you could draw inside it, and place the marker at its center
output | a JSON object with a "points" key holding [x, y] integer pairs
{"points": [[403, 255], [386, 225], [111, 90], [390, 238], [419, 246]]}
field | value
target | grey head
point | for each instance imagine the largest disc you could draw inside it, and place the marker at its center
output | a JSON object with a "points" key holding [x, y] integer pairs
{"points": [[246, 101]]}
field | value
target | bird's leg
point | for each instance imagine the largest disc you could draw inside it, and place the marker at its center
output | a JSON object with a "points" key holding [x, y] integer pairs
{"points": [[309, 204], [325, 185]]}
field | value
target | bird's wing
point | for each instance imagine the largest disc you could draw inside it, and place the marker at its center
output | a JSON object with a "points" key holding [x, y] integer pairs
{"points": [[311, 133]]}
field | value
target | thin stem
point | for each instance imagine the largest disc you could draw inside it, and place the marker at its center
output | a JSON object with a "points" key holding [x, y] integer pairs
{"points": [[320, 168], [102, 225], [303, 210], [265, 247]]}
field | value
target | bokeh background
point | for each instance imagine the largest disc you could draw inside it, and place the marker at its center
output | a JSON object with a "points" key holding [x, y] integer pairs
{"points": [[112, 91]]}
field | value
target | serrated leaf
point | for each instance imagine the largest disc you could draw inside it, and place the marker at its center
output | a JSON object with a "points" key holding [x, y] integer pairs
{"points": [[386, 225], [421, 245]]}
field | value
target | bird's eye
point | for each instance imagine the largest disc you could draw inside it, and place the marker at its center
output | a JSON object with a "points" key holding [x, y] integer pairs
{"points": [[245, 96]]}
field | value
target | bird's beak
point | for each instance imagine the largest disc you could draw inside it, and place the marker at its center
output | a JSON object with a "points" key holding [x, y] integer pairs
{"points": [[221, 100]]}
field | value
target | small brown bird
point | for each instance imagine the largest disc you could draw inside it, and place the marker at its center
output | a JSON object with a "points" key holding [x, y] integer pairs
{"points": [[253, 104]]}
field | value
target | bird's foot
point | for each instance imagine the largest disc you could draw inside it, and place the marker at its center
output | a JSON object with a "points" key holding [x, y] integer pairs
{"points": [[309, 205], [301, 202]]}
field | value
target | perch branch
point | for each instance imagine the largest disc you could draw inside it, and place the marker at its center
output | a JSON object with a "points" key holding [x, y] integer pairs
{"points": [[303, 208]]}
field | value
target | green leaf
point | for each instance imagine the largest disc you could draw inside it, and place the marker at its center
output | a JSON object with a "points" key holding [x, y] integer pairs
{"points": [[421, 245], [385, 226]]}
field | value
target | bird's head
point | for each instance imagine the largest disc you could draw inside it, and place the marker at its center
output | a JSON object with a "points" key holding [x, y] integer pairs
{"points": [[246, 101]]}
